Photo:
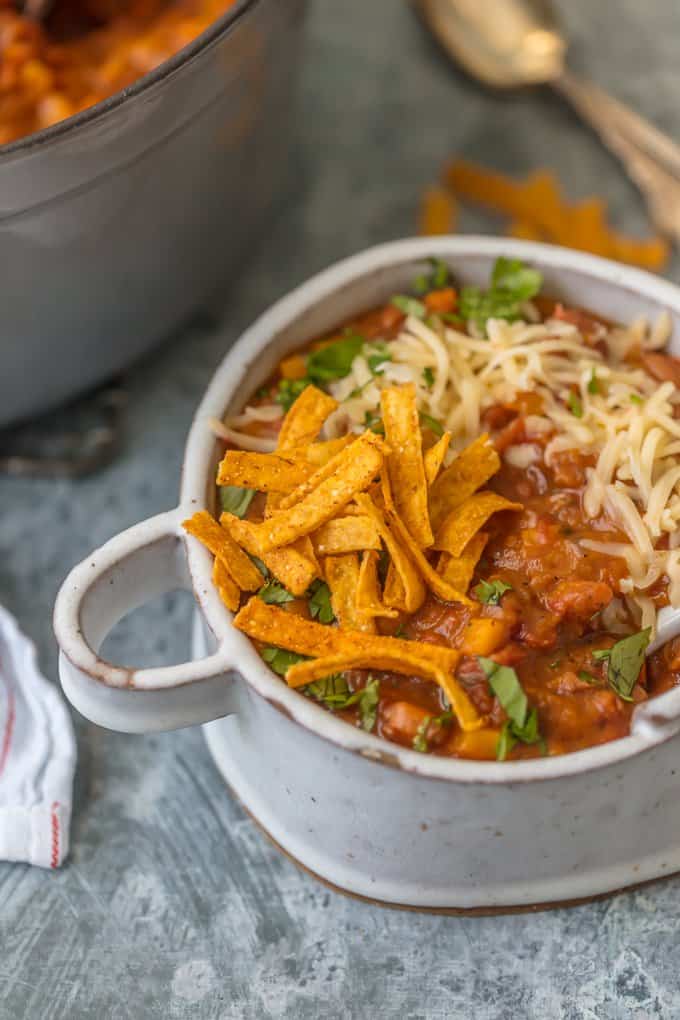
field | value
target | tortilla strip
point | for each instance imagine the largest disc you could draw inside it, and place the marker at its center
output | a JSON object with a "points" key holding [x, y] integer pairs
{"points": [[434, 457], [471, 469], [458, 570], [465, 520], [227, 588], [409, 578], [273, 625], [221, 544], [405, 461], [313, 481], [265, 472], [342, 577], [394, 593], [291, 566], [409, 663], [353, 470], [368, 598], [434, 581], [346, 534], [318, 454], [305, 419]]}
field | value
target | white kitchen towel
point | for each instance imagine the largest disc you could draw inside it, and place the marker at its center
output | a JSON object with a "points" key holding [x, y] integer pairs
{"points": [[37, 756]]}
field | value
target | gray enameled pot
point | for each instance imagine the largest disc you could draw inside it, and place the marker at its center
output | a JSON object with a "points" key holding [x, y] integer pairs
{"points": [[370, 817], [118, 223]]}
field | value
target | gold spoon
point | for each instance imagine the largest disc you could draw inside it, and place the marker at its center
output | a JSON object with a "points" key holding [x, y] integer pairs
{"points": [[509, 43]]}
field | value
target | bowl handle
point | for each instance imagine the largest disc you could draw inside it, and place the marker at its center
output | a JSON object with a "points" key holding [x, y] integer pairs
{"points": [[141, 563]]}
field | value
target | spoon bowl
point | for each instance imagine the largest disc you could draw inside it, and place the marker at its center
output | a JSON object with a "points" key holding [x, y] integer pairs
{"points": [[503, 43]]}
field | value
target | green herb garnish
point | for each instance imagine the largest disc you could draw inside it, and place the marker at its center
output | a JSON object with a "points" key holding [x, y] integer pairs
{"points": [[289, 390], [431, 423], [333, 691], [374, 422], [428, 376], [280, 660], [593, 384], [368, 704], [335, 360], [434, 280], [320, 607], [376, 356], [260, 565], [624, 661], [512, 283], [489, 592], [409, 306], [574, 404], [522, 724], [587, 677], [235, 500], [635, 398], [420, 739], [274, 594]]}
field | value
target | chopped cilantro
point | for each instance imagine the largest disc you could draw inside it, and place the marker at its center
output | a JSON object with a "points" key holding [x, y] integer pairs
{"points": [[334, 692], [431, 423], [437, 278], [489, 592], [624, 662], [368, 704], [400, 632], [260, 565], [280, 660], [335, 360], [521, 724], [428, 376], [374, 423], [420, 739], [574, 404], [320, 606], [376, 356], [635, 398], [274, 594], [512, 283], [289, 390], [409, 306], [235, 500], [593, 384], [453, 318]]}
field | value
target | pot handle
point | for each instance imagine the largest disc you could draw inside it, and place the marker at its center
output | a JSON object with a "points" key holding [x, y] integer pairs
{"points": [[137, 565]]}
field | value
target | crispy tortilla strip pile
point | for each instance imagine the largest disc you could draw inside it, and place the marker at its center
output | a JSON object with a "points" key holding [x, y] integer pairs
{"points": [[381, 521]]}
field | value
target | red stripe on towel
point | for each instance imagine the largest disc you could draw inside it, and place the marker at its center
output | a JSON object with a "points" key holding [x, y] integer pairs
{"points": [[54, 858]]}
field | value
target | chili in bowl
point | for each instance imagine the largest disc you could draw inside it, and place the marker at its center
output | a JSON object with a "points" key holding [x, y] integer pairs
{"points": [[474, 490], [359, 747]]}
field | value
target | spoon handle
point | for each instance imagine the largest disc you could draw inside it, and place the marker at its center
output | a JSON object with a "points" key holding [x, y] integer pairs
{"points": [[650, 157]]}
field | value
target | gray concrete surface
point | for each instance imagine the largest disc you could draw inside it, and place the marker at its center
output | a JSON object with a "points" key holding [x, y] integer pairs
{"points": [[172, 905]]}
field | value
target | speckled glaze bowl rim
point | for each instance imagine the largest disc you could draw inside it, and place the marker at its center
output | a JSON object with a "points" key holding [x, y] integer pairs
{"points": [[662, 718], [188, 53]]}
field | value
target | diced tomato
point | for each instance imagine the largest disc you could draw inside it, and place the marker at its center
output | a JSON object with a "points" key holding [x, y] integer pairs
{"points": [[579, 598], [662, 367], [445, 300]]}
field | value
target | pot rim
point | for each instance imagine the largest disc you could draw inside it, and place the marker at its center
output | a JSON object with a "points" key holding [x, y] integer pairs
{"points": [[44, 137], [661, 724]]}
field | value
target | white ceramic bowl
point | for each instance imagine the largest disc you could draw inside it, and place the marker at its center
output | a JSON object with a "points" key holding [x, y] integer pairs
{"points": [[370, 817]]}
